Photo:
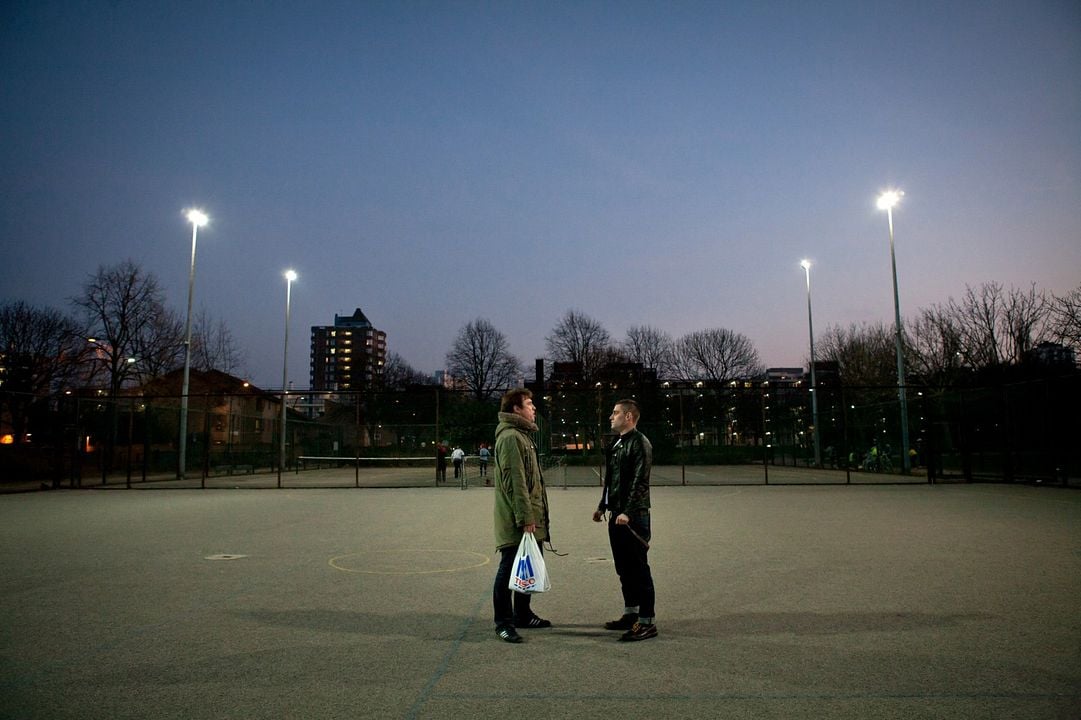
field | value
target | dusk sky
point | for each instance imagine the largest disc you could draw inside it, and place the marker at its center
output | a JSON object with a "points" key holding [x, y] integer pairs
{"points": [[663, 163]]}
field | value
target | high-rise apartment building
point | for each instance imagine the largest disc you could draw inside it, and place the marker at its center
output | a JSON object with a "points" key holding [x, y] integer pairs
{"points": [[348, 355]]}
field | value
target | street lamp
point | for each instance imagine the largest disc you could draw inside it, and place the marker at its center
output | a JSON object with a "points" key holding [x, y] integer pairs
{"points": [[887, 201], [290, 276], [197, 219], [806, 265]]}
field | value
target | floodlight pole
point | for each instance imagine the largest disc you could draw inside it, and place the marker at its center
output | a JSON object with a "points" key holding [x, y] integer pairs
{"points": [[806, 265], [290, 276], [886, 202], [197, 220]]}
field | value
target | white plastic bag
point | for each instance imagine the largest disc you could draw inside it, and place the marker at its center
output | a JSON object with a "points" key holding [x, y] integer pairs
{"points": [[530, 574]]}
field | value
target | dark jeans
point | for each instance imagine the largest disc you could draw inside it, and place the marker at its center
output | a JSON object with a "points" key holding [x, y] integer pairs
{"points": [[632, 563], [509, 605]]}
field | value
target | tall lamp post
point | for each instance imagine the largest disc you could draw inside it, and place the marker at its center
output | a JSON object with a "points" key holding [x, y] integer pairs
{"points": [[197, 219], [806, 265], [290, 276], [887, 201]]}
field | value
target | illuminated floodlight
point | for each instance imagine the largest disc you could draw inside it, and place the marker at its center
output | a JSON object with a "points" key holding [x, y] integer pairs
{"points": [[290, 275], [889, 199], [197, 217], [805, 264]]}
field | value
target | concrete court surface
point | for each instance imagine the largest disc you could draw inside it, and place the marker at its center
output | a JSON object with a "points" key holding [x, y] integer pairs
{"points": [[773, 602]]}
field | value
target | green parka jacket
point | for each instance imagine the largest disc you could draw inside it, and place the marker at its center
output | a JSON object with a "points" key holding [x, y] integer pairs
{"points": [[520, 497]]}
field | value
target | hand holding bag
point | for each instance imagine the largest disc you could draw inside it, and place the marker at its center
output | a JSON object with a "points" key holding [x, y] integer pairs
{"points": [[530, 575]]}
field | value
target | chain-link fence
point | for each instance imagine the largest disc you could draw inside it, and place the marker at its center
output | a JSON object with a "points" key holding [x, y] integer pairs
{"points": [[1012, 432], [1019, 431]]}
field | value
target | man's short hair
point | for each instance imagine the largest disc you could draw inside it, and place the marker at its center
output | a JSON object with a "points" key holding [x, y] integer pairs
{"points": [[631, 406], [514, 398]]}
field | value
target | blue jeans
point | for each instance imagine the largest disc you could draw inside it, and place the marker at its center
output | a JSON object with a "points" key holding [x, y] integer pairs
{"points": [[632, 562]]}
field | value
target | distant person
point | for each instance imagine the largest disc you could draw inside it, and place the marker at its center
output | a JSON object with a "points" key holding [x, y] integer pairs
{"points": [[931, 459], [483, 455], [870, 460], [626, 499], [440, 463], [457, 457], [521, 506]]}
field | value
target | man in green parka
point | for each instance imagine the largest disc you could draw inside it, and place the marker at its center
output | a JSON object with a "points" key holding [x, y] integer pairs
{"points": [[521, 506]]}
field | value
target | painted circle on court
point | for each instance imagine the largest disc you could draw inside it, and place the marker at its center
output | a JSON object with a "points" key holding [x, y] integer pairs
{"points": [[408, 562]]}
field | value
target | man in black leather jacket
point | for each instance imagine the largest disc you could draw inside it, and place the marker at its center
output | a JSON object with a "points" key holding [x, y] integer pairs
{"points": [[626, 499]]}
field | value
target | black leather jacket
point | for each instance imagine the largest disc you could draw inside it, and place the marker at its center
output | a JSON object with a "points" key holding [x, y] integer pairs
{"points": [[626, 480]]}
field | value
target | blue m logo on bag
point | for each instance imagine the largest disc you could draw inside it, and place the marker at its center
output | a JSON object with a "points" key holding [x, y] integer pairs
{"points": [[523, 575]]}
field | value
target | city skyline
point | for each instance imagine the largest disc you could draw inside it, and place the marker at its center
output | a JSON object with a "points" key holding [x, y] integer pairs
{"points": [[646, 164]]}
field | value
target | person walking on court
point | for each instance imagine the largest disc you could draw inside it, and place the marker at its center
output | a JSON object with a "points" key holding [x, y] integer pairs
{"points": [[521, 506], [626, 498], [482, 455], [440, 463], [457, 457]]}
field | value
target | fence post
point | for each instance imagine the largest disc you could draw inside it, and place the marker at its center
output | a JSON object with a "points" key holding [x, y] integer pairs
{"points": [[765, 437], [131, 436], [1007, 440], [206, 441]]}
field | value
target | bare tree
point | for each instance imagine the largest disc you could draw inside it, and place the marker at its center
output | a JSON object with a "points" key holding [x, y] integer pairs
{"points": [[398, 374], [607, 355], [41, 350], [1025, 319], [719, 355], [579, 338], [998, 326], [121, 304], [158, 347], [865, 354], [481, 357], [976, 317], [1066, 318], [213, 347], [651, 347], [934, 347]]}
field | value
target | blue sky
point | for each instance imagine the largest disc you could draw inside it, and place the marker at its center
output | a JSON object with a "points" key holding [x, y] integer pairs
{"points": [[666, 164]]}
